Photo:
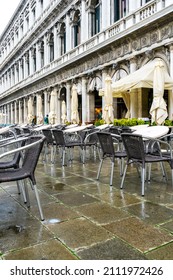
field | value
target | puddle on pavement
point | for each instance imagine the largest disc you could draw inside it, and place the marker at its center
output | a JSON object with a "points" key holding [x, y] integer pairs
{"points": [[52, 221]]}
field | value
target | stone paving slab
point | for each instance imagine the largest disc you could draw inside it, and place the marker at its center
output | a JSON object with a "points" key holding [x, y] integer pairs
{"points": [[50, 250], [151, 212], [139, 234], [162, 253], [79, 233], [102, 213], [114, 249]]}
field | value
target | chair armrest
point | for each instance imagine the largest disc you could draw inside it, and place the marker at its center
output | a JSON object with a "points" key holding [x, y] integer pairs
{"points": [[13, 141], [21, 148], [160, 142], [89, 134], [72, 137]]}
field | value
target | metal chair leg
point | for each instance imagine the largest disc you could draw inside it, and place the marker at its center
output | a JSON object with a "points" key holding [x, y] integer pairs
{"points": [[124, 174], [112, 172], [27, 193], [99, 169], [23, 192], [143, 180], [38, 202]]}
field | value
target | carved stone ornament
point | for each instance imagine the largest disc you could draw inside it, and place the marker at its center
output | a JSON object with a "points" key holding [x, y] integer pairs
{"points": [[119, 51], [165, 32], [144, 41], [126, 48], [135, 45], [154, 37]]}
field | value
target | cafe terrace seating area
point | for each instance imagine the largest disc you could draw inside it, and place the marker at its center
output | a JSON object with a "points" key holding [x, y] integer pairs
{"points": [[85, 192]]}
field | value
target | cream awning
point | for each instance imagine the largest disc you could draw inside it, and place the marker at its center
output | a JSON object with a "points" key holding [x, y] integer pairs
{"points": [[143, 77]]}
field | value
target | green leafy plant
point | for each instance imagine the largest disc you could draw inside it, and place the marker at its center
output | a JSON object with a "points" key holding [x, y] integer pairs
{"points": [[128, 122], [168, 123], [99, 122]]}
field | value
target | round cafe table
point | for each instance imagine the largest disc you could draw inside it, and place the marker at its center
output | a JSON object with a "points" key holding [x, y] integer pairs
{"points": [[152, 131]]}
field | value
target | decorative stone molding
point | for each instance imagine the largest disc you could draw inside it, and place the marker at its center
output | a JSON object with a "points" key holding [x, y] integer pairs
{"points": [[33, 52], [40, 44], [49, 37], [154, 37]]}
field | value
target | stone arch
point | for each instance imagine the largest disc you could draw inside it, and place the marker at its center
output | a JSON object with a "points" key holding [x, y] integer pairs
{"points": [[119, 73], [62, 94]]}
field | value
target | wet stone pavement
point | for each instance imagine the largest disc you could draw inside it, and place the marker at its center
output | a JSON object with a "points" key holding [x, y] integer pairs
{"points": [[87, 219]]}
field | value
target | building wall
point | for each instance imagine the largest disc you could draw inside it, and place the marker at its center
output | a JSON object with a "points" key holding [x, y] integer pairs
{"points": [[50, 45]]}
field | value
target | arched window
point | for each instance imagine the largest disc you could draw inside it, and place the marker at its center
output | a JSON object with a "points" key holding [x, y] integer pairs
{"points": [[95, 17], [51, 44], [42, 53], [76, 28], [120, 8], [63, 39]]}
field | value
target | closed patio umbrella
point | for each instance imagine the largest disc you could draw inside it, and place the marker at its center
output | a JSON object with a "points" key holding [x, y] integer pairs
{"points": [[30, 111], [64, 112], [39, 110], [74, 106], [52, 114], [158, 108], [108, 115]]}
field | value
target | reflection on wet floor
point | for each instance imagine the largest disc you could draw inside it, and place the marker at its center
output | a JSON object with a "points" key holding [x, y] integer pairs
{"points": [[86, 218]]}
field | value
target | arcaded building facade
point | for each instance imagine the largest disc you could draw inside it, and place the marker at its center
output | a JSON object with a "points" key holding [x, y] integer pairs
{"points": [[49, 46]]}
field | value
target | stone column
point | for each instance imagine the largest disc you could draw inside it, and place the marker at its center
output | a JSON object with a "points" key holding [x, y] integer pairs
{"points": [[12, 76], [53, 106], [68, 101], [135, 106], [38, 8], [55, 42], [5, 114], [104, 74], [38, 56], [31, 53], [20, 69], [25, 113], [59, 110], [15, 113], [56, 105], [84, 100], [16, 69], [46, 3], [12, 116], [84, 22], [26, 61], [20, 112], [105, 13], [68, 33], [46, 104], [90, 12]]}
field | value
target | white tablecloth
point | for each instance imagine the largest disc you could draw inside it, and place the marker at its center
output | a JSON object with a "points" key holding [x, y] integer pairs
{"points": [[75, 129], [152, 131]]}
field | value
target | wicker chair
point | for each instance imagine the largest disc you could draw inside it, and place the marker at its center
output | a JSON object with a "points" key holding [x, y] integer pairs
{"points": [[142, 152], [91, 141], [50, 142], [108, 150], [67, 141], [15, 160], [31, 152]]}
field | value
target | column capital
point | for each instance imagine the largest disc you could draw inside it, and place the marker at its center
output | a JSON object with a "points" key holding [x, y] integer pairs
{"points": [[170, 47]]}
